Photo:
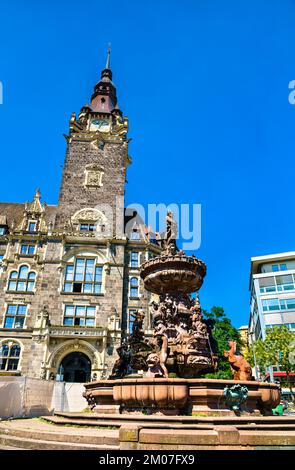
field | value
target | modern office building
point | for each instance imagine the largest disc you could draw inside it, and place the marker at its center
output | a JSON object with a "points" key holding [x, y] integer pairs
{"points": [[272, 302], [272, 286]]}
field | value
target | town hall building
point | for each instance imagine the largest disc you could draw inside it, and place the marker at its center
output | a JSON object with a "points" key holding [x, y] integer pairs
{"points": [[69, 273]]}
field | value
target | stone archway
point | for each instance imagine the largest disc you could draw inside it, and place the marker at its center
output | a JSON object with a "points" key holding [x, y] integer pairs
{"points": [[74, 346], [75, 367]]}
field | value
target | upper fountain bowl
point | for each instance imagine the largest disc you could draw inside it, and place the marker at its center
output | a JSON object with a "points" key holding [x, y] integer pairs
{"points": [[173, 273]]}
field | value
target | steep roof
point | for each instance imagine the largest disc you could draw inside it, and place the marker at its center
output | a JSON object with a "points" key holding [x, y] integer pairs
{"points": [[14, 212]]}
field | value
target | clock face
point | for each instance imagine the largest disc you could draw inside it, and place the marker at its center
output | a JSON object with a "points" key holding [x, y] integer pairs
{"points": [[101, 125]]}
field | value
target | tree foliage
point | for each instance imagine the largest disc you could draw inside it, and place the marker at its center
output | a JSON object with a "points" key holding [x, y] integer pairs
{"points": [[277, 349], [222, 331]]}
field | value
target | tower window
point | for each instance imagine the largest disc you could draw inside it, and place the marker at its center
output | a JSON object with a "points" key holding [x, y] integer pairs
{"points": [[83, 276], [22, 280], [76, 315], [135, 234], [9, 356], [134, 287], [15, 316], [32, 226], [134, 259], [87, 227], [3, 229], [27, 249], [1, 258]]}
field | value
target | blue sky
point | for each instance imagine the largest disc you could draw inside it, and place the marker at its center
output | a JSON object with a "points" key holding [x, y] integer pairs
{"points": [[205, 87]]}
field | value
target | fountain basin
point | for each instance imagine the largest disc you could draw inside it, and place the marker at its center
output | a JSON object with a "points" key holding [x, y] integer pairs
{"points": [[174, 396], [173, 273]]}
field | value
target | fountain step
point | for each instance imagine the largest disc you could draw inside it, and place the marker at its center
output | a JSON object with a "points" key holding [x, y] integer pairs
{"points": [[177, 418], [219, 438], [196, 422], [35, 434]]}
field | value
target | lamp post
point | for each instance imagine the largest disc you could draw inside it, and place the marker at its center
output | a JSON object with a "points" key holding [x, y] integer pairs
{"points": [[250, 335]]}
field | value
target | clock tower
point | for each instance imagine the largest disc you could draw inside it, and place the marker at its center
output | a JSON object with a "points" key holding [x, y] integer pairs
{"points": [[96, 161]]}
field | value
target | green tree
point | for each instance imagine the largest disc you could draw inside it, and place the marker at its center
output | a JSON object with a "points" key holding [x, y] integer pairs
{"points": [[222, 331], [277, 349]]}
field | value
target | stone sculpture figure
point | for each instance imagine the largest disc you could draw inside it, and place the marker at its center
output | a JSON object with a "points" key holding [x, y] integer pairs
{"points": [[157, 361], [122, 363], [241, 369], [137, 326], [170, 240], [199, 327]]}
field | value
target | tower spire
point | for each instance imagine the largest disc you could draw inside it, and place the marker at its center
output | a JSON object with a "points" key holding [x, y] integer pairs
{"points": [[108, 63], [104, 96]]}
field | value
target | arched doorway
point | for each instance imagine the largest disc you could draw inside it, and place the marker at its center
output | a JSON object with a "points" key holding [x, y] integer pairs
{"points": [[76, 367]]}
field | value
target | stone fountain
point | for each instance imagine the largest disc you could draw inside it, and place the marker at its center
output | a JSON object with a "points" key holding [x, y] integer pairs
{"points": [[181, 350]]}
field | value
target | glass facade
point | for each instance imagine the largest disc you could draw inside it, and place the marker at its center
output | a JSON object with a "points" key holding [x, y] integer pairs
{"points": [[269, 305], [279, 283], [279, 267]]}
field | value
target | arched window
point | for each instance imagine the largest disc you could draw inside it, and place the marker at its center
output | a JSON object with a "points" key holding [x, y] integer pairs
{"points": [[83, 275], [9, 356], [22, 280], [134, 287]]}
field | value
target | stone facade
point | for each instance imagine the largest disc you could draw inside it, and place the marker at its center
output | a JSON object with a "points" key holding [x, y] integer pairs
{"points": [[69, 274]]}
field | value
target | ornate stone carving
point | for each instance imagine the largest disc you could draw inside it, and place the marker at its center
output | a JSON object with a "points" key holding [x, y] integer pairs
{"points": [[74, 345], [157, 361], [93, 176], [70, 331], [89, 215], [154, 366], [35, 212]]}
